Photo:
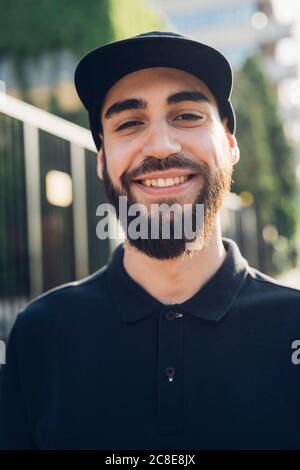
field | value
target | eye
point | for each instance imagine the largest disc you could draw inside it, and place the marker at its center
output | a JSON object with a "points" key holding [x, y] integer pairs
{"points": [[128, 124], [188, 117]]}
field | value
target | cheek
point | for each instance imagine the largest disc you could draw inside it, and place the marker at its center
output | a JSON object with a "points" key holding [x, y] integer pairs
{"points": [[121, 157], [203, 146], [212, 147], [220, 153], [117, 160]]}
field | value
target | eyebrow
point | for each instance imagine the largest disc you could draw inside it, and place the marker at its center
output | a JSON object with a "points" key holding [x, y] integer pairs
{"points": [[137, 103]]}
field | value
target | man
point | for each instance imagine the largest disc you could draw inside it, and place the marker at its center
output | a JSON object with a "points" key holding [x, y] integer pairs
{"points": [[174, 344]]}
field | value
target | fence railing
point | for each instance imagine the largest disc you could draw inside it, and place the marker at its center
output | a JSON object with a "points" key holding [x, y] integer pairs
{"points": [[47, 234]]}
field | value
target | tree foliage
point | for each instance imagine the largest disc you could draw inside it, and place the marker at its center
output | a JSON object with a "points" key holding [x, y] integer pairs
{"points": [[29, 28], [33, 29], [267, 165], [134, 17]]}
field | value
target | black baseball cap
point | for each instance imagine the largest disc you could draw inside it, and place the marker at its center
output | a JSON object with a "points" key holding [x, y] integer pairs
{"points": [[101, 68]]}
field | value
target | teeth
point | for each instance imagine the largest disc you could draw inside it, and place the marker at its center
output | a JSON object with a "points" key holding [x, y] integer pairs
{"points": [[163, 182]]}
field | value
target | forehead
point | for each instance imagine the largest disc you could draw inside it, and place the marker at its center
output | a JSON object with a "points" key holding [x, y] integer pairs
{"points": [[157, 80]]}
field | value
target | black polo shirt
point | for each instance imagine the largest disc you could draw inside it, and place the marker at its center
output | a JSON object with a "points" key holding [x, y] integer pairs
{"points": [[101, 364]]}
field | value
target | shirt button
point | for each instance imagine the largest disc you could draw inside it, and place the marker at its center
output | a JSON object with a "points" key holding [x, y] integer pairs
{"points": [[172, 315], [170, 372]]}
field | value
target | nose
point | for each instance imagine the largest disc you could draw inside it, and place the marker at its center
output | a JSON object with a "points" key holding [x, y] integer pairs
{"points": [[161, 141]]}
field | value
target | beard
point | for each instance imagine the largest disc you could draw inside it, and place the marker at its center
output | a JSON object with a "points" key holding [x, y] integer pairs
{"points": [[211, 194]]}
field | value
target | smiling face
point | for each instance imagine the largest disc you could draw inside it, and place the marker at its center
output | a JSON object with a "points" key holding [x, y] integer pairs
{"points": [[164, 141]]}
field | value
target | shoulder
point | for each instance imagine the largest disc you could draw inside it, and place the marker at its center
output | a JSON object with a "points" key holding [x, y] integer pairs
{"points": [[263, 281], [64, 303], [266, 291], [59, 319]]}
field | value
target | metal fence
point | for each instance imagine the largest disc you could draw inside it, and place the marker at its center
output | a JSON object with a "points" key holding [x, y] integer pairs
{"points": [[44, 244], [49, 192]]}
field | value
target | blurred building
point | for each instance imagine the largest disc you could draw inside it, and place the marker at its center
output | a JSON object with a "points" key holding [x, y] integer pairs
{"points": [[38, 65], [49, 75], [240, 28]]}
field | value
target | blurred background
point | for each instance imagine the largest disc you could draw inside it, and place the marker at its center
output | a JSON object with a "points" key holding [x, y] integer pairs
{"points": [[49, 190]]}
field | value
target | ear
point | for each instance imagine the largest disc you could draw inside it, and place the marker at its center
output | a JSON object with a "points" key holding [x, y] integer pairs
{"points": [[100, 159], [233, 147]]}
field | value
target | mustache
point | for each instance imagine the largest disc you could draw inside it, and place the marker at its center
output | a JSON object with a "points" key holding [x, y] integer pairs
{"points": [[152, 164]]}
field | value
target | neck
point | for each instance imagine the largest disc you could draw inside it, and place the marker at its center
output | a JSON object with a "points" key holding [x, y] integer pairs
{"points": [[175, 281]]}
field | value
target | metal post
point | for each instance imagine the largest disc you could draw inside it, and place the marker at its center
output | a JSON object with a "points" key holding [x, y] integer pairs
{"points": [[33, 196], [79, 211]]}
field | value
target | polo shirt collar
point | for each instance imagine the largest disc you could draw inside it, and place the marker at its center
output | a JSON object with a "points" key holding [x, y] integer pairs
{"points": [[210, 303]]}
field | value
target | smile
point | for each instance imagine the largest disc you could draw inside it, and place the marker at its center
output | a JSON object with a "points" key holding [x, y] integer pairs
{"points": [[164, 182], [165, 185]]}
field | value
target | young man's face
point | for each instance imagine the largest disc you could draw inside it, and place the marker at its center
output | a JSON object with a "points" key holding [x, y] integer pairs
{"points": [[158, 125]]}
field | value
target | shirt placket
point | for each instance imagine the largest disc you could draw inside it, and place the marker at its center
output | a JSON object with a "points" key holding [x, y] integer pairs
{"points": [[170, 372]]}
